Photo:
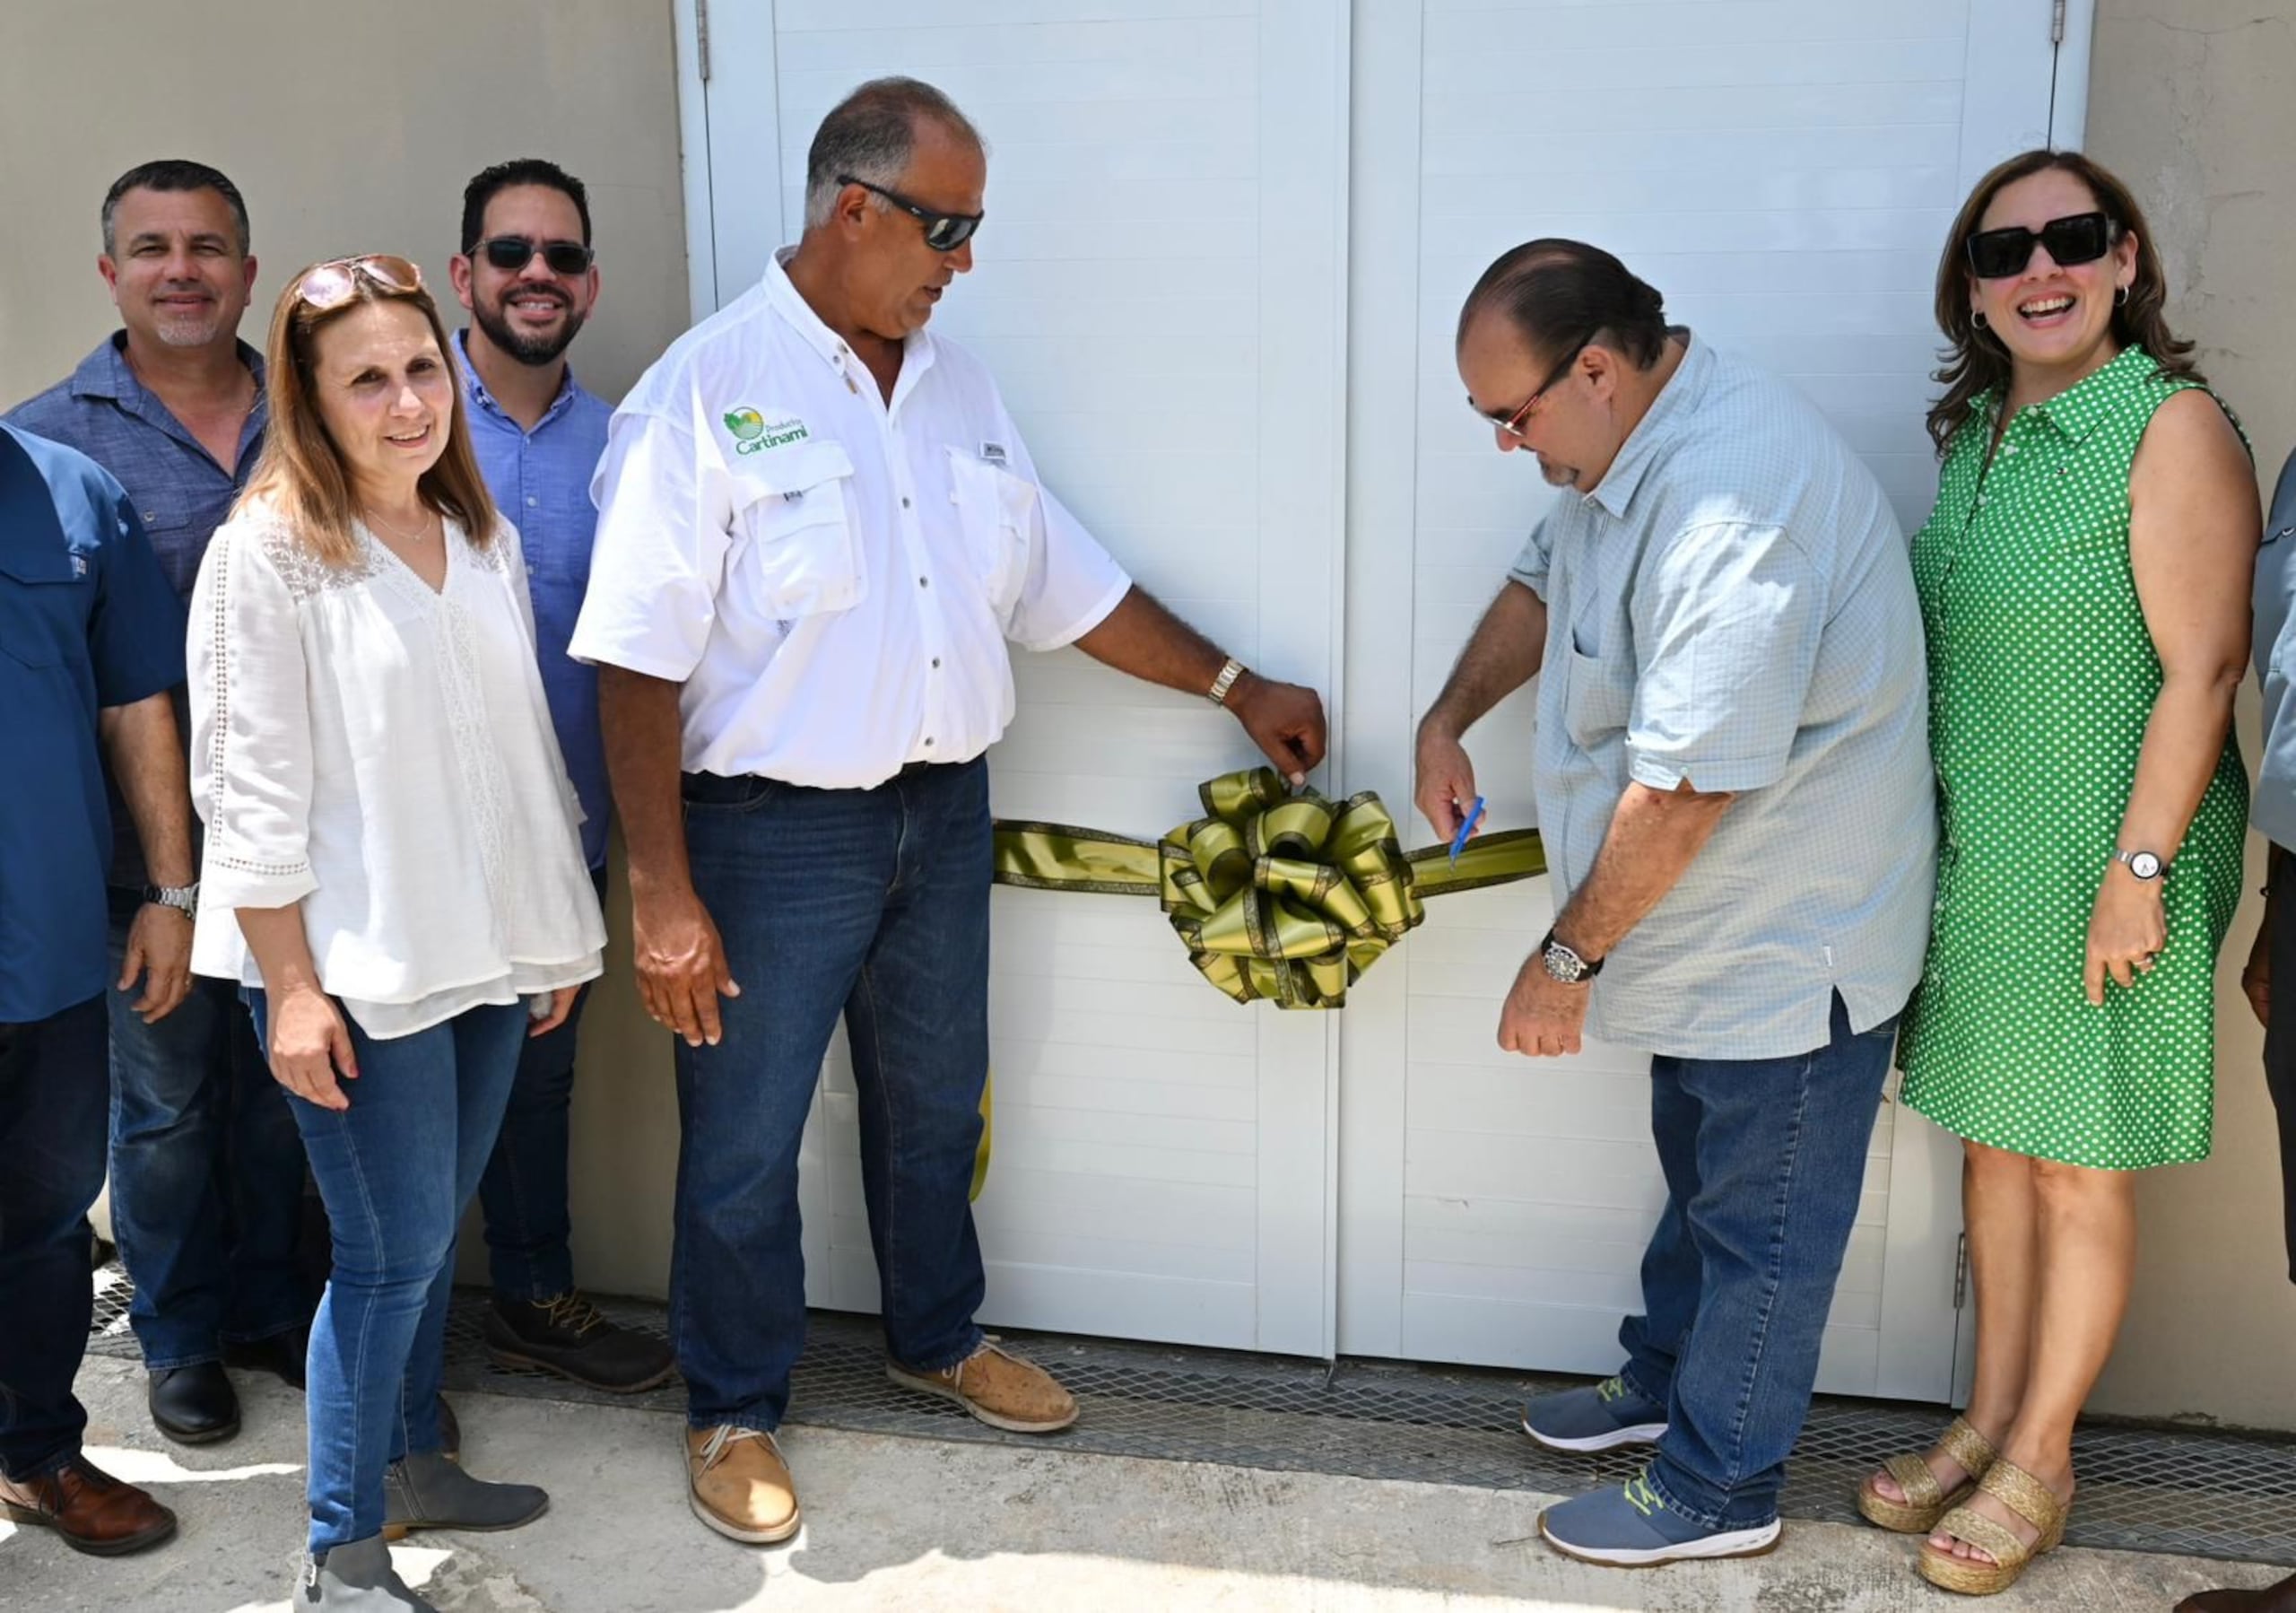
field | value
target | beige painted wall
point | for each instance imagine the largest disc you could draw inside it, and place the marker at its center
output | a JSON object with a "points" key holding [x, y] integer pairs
{"points": [[364, 144], [2190, 104]]}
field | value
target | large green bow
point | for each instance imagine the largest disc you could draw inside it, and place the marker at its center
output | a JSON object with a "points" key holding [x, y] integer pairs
{"points": [[1276, 896]]}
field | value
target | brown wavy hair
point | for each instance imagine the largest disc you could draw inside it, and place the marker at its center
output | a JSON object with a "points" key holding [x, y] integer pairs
{"points": [[300, 475], [1974, 358]]}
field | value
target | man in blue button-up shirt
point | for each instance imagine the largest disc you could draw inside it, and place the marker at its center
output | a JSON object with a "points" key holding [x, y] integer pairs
{"points": [[90, 642], [172, 405], [526, 275]]}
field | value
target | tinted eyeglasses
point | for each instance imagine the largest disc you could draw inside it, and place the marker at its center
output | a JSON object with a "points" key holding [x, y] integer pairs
{"points": [[943, 231], [1512, 424], [512, 253], [335, 282], [2001, 254]]}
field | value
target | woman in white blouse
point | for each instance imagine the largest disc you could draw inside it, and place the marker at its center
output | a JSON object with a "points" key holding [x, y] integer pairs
{"points": [[392, 867]]}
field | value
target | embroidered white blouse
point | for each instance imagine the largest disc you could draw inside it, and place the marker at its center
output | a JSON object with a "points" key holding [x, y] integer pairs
{"points": [[382, 754]]}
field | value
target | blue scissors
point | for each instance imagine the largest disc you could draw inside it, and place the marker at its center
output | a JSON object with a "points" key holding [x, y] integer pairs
{"points": [[1466, 827]]}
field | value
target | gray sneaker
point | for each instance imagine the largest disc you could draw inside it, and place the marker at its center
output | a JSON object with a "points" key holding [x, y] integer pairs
{"points": [[1595, 1419], [357, 1578], [431, 1492]]}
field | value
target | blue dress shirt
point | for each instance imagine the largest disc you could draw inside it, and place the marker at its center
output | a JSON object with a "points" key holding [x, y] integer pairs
{"points": [[87, 621], [541, 479]]}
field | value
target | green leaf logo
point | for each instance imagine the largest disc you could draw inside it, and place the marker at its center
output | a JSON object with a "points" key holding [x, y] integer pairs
{"points": [[747, 425]]}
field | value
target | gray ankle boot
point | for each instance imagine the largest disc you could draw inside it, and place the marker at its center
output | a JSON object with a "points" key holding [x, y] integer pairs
{"points": [[429, 1491], [357, 1578]]}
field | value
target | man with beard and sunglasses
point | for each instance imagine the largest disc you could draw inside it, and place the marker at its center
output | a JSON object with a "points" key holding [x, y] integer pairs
{"points": [[206, 1169], [529, 277]]}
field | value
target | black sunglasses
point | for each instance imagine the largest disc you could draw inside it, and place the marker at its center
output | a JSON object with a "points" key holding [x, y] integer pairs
{"points": [[943, 231], [512, 253], [2001, 254]]}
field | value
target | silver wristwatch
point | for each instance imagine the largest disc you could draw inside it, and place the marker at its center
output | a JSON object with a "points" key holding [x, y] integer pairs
{"points": [[183, 898], [2144, 865], [1218, 694], [1566, 966]]}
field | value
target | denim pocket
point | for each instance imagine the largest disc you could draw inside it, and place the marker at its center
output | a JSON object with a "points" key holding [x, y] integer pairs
{"points": [[713, 792]]}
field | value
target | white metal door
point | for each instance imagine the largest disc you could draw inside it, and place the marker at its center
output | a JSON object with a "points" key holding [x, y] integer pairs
{"points": [[1160, 291], [1785, 173]]}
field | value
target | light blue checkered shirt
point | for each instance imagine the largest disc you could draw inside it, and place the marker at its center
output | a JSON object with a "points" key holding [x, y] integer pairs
{"points": [[1732, 605]]}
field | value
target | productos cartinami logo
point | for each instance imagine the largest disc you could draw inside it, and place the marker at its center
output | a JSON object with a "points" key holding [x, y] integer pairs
{"points": [[753, 433]]}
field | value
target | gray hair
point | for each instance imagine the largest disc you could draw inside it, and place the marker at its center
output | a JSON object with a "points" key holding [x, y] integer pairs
{"points": [[174, 174], [870, 134]]}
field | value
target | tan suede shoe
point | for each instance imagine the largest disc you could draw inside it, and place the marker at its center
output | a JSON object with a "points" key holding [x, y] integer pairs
{"points": [[738, 1485], [998, 1387]]}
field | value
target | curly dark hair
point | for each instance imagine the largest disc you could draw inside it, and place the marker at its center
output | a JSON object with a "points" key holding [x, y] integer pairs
{"points": [[1974, 358]]}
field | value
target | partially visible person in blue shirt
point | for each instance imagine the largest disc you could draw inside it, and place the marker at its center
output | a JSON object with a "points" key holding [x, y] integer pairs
{"points": [[527, 276], [90, 643], [173, 404]]}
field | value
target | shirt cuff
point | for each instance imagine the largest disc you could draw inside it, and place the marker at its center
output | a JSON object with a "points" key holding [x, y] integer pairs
{"points": [[232, 882], [1716, 775], [1101, 612], [639, 661]]}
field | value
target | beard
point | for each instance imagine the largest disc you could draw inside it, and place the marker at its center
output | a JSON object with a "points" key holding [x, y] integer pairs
{"points": [[531, 349], [189, 330], [1557, 476]]}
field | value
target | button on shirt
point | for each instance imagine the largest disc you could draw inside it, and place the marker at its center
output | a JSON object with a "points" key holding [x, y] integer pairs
{"points": [[87, 621], [832, 579], [541, 479], [2272, 809], [1733, 606], [175, 485]]}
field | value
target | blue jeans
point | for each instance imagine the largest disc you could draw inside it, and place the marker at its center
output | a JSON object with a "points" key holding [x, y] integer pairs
{"points": [[396, 1169], [51, 1168], [1764, 1160], [206, 1172], [524, 1191], [871, 903]]}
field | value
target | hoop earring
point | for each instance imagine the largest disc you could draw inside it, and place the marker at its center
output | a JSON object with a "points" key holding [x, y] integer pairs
{"points": [[2120, 297], [1976, 318]]}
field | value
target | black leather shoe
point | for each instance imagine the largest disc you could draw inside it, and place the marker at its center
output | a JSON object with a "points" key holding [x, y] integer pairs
{"points": [[572, 1338], [194, 1404], [281, 1355]]}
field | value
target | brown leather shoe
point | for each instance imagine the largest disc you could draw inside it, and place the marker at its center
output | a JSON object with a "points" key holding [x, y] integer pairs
{"points": [[738, 1485], [998, 1387], [92, 1511]]}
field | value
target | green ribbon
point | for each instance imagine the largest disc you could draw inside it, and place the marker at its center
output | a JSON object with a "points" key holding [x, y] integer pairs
{"points": [[1276, 896]]}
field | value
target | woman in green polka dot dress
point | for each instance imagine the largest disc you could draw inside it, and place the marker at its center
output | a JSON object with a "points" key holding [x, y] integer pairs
{"points": [[2085, 587]]}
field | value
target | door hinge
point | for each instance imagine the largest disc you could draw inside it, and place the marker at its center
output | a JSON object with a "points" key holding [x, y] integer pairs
{"points": [[1961, 1272], [2057, 23], [701, 33]]}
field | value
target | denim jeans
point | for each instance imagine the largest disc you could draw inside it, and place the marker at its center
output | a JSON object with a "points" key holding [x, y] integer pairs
{"points": [[51, 1168], [1764, 1160], [873, 904], [396, 1169], [524, 1191], [206, 1172]]}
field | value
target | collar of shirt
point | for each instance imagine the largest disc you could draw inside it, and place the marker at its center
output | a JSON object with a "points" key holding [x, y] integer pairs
{"points": [[782, 293], [475, 386], [2078, 410], [106, 373], [1676, 401]]}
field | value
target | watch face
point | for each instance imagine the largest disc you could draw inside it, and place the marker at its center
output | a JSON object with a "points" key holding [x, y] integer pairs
{"points": [[2144, 865], [1564, 965]]}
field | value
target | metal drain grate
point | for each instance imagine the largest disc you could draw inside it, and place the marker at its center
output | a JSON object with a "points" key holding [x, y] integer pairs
{"points": [[2201, 1493]]}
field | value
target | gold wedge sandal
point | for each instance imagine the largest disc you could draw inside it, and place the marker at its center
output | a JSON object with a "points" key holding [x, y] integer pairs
{"points": [[2022, 1494], [1926, 1500]]}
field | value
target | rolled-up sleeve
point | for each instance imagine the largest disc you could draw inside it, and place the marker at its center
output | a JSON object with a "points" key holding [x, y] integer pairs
{"points": [[251, 728], [1073, 583], [1727, 619], [665, 524], [1530, 565], [135, 635]]}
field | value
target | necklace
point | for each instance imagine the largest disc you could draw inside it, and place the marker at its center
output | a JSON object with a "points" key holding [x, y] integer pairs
{"points": [[416, 537]]}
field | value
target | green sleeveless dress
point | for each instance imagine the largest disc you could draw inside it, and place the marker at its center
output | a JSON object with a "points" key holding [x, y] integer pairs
{"points": [[2041, 679]]}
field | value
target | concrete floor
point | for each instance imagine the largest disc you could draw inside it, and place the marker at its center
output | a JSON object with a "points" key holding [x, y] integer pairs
{"points": [[897, 1524]]}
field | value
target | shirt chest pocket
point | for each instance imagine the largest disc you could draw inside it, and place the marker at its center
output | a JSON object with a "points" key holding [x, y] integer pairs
{"points": [[1596, 702], [794, 551], [43, 599], [997, 510]]}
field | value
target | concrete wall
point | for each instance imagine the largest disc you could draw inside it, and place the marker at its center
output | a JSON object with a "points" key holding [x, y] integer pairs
{"points": [[356, 132], [2190, 104]]}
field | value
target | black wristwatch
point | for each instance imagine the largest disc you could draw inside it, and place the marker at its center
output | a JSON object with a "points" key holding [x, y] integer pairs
{"points": [[183, 898], [1564, 966]]}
